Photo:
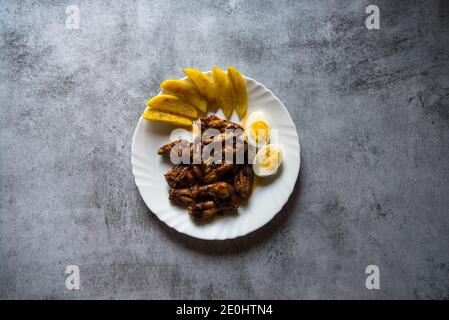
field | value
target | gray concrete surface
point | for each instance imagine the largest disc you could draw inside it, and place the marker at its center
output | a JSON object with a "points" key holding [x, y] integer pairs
{"points": [[372, 111]]}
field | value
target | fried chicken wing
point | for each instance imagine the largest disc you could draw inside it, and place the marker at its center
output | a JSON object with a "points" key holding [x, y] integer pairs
{"points": [[165, 149], [180, 176], [217, 190], [207, 209], [212, 172], [224, 137], [181, 146], [243, 181], [215, 122]]}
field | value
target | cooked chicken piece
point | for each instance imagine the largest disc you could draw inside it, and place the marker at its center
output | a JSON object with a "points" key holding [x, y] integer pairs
{"points": [[224, 137], [210, 154], [206, 209], [202, 210], [165, 149], [218, 190], [180, 176], [198, 172], [243, 181], [223, 168], [237, 154], [234, 155], [217, 123], [196, 151], [221, 190], [240, 153], [182, 147], [212, 172]]}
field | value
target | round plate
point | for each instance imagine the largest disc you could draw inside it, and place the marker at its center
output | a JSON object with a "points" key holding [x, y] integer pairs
{"points": [[267, 199]]}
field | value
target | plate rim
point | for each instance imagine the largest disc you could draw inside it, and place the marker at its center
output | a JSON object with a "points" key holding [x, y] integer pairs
{"points": [[251, 230]]}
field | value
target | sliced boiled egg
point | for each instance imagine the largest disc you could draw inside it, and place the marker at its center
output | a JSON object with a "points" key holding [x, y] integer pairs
{"points": [[267, 160], [257, 129]]}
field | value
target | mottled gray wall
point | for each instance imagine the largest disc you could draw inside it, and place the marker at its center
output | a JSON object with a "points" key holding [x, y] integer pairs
{"points": [[371, 107]]}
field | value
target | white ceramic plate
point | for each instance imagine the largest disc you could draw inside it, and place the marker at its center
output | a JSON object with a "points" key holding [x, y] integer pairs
{"points": [[266, 200]]}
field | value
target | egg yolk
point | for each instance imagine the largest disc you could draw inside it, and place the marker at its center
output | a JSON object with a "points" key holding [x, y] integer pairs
{"points": [[259, 131], [270, 158]]}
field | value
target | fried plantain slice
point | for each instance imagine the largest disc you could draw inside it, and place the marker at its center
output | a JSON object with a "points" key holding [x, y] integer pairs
{"points": [[160, 116], [223, 89], [186, 92], [203, 83], [239, 91], [173, 104]]}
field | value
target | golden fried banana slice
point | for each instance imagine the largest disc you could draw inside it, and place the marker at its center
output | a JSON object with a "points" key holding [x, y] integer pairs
{"points": [[160, 116], [172, 104], [203, 83], [239, 91], [224, 93], [186, 92]]}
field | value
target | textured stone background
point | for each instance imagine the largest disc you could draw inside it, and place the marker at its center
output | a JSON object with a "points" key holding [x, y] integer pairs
{"points": [[372, 111]]}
